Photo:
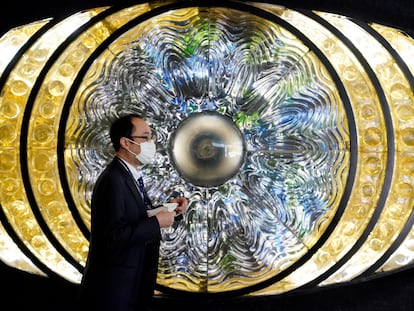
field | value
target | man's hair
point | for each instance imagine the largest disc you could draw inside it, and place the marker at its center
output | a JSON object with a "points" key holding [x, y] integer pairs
{"points": [[121, 127]]}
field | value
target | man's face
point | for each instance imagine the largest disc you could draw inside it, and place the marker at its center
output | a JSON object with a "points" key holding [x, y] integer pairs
{"points": [[141, 132]]}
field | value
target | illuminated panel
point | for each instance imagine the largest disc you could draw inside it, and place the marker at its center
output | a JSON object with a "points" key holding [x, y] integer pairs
{"points": [[88, 173], [403, 44], [322, 111], [370, 172], [43, 133], [399, 198], [14, 39], [17, 90], [12, 255], [10, 43], [280, 97]]}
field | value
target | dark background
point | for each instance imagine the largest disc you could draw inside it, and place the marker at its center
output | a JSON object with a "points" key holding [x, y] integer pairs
{"points": [[397, 13], [394, 292]]}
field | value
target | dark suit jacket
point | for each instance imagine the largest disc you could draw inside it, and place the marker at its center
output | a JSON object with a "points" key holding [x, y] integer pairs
{"points": [[122, 263]]}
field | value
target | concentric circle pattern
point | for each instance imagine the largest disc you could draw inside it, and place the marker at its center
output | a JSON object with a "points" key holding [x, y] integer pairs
{"points": [[290, 133]]}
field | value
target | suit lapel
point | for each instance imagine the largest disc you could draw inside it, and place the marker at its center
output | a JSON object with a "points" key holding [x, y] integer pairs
{"points": [[129, 179]]}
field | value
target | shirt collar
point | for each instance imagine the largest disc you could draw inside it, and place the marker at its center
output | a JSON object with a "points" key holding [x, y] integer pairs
{"points": [[134, 170]]}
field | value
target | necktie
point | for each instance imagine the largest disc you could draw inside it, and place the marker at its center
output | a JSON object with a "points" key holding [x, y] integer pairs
{"points": [[144, 192]]}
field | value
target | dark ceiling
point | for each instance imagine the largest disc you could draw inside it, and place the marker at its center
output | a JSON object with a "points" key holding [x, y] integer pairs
{"points": [[395, 13]]}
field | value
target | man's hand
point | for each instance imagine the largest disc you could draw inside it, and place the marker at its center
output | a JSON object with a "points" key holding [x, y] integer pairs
{"points": [[182, 205], [165, 218]]}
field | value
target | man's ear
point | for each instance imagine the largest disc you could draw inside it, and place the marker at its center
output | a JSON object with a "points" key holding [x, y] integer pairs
{"points": [[123, 142]]}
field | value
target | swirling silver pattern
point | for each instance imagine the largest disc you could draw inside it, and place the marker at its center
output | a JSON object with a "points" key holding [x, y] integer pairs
{"points": [[321, 109], [281, 98]]}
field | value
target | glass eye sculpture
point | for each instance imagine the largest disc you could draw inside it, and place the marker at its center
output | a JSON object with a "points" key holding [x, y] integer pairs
{"points": [[290, 132]]}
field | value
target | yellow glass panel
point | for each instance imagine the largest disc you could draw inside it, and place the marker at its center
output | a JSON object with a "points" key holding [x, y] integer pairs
{"points": [[403, 44], [137, 36], [17, 90], [11, 255], [42, 119], [369, 176], [399, 201], [95, 36], [14, 39], [42, 132], [400, 41]]}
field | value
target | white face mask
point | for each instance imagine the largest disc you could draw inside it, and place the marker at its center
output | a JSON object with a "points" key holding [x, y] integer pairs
{"points": [[147, 153]]}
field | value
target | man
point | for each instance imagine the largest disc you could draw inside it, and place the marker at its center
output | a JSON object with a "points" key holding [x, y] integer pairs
{"points": [[122, 263]]}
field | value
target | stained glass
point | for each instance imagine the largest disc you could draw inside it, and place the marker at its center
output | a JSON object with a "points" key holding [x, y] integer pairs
{"points": [[290, 134]]}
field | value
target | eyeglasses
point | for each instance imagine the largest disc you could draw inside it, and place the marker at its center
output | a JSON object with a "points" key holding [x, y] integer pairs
{"points": [[153, 137]]}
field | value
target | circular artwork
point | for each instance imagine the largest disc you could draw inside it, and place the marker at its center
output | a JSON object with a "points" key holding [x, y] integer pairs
{"points": [[290, 133], [250, 128]]}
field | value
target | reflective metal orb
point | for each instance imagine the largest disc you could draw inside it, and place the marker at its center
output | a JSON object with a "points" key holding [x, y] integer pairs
{"points": [[207, 149]]}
